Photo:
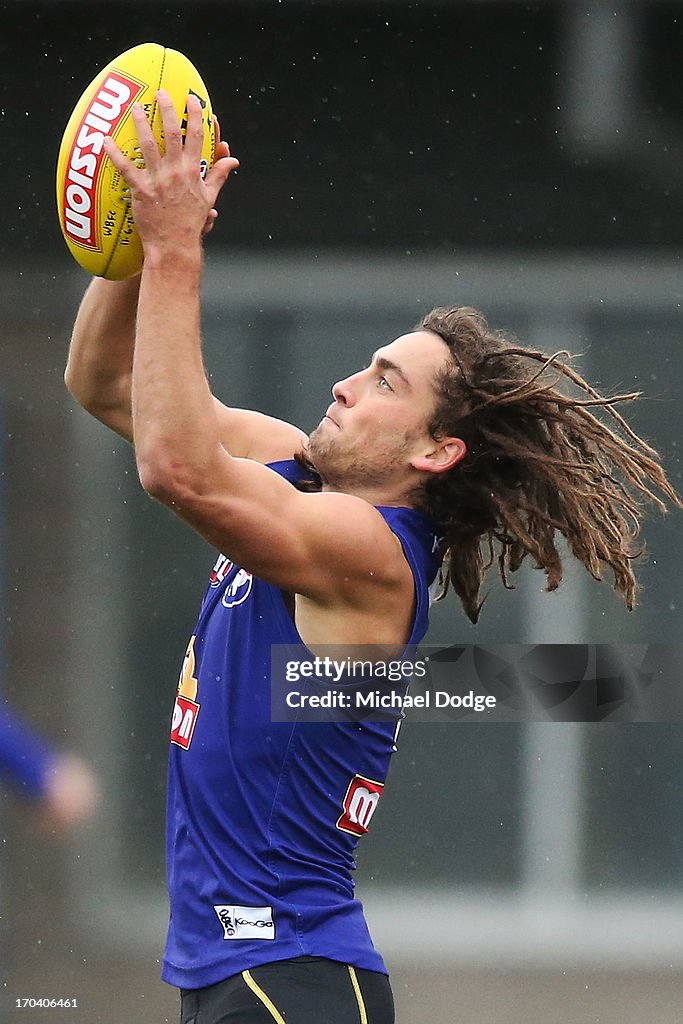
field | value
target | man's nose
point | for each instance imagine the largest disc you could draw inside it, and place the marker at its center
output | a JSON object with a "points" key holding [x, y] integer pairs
{"points": [[342, 391]]}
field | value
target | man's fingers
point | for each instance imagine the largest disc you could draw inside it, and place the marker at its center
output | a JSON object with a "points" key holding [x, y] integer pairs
{"points": [[194, 135], [176, 150], [209, 222], [173, 139], [222, 147], [122, 164], [188, 144], [148, 149], [218, 175], [148, 144]]}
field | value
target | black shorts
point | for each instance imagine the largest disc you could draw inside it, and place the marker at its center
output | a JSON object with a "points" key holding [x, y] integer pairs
{"points": [[305, 990]]}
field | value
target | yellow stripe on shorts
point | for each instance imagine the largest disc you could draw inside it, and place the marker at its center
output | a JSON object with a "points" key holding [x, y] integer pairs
{"points": [[359, 995], [267, 1002]]}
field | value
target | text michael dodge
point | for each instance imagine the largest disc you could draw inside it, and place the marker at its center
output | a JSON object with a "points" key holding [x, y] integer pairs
{"points": [[387, 700]]}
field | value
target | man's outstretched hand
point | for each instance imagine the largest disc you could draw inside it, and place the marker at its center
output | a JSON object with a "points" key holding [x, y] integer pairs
{"points": [[173, 206]]}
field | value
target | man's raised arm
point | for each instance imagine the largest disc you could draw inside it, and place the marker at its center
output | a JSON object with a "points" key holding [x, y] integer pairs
{"points": [[100, 364], [100, 368]]}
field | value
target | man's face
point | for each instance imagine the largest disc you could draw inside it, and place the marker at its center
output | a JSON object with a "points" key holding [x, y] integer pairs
{"points": [[380, 416]]}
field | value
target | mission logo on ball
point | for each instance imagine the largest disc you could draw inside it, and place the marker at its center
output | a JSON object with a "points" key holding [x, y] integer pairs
{"points": [[93, 200]]}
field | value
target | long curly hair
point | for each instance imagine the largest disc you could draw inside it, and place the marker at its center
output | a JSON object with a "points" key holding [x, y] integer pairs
{"points": [[540, 463]]}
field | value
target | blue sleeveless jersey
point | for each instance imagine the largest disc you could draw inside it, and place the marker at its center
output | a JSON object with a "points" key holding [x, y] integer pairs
{"points": [[264, 817]]}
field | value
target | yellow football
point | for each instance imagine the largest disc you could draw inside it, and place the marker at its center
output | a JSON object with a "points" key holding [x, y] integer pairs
{"points": [[92, 199]]}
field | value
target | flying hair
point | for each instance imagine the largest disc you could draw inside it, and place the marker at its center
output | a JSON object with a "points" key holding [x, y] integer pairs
{"points": [[547, 455]]}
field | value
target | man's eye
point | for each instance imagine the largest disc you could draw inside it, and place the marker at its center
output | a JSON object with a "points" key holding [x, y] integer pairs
{"points": [[384, 384]]}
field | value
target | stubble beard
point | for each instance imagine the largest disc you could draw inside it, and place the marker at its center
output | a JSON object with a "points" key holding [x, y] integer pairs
{"points": [[355, 470]]}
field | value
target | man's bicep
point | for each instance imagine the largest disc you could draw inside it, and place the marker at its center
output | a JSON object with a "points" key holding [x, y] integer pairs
{"points": [[249, 434]]}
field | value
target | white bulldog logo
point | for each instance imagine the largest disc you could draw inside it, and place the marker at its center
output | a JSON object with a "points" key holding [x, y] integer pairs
{"points": [[238, 589]]}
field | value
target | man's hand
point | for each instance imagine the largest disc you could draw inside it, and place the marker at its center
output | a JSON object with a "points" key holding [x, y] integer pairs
{"points": [[173, 206], [222, 150]]}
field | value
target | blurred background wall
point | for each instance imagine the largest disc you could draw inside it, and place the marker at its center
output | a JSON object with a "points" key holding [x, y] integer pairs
{"points": [[521, 157]]}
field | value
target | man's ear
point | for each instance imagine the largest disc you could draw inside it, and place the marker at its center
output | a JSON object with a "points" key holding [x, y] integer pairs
{"points": [[445, 454]]}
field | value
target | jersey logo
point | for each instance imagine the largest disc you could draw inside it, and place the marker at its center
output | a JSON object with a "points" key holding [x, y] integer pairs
{"points": [[246, 922], [360, 802], [238, 589], [186, 708], [220, 571], [184, 720]]}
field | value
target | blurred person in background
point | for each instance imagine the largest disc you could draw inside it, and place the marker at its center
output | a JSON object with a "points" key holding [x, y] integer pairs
{"points": [[58, 786], [61, 786]]}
